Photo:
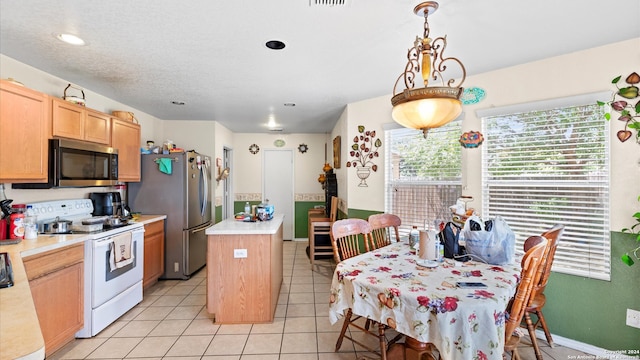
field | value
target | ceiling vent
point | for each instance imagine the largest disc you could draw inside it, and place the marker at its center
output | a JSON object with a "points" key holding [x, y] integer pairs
{"points": [[326, 3], [275, 129]]}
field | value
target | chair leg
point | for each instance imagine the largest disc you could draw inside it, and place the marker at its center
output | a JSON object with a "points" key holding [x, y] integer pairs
{"points": [[532, 335], [543, 323], [383, 341], [345, 325]]}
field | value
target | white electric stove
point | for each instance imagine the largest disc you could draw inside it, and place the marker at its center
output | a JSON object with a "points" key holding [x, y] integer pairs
{"points": [[108, 294]]}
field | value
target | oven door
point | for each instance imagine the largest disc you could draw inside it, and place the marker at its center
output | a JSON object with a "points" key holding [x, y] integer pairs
{"points": [[107, 284]]}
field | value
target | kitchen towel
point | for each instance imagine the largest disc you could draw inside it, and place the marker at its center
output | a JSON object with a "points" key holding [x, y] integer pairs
{"points": [[164, 164], [121, 253]]}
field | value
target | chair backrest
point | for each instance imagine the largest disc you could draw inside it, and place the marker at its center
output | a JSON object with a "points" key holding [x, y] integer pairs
{"points": [[530, 263], [383, 228], [553, 235], [333, 216], [344, 237]]}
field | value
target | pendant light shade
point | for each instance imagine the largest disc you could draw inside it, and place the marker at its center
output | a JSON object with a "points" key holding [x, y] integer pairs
{"points": [[431, 106]]}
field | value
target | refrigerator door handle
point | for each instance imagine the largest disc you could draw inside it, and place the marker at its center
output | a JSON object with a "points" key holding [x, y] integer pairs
{"points": [[200, 229], [205, 193]]}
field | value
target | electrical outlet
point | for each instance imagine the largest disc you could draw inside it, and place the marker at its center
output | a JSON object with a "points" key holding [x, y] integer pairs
{"points": [[633, 318], [176, 267], [239, 253]]}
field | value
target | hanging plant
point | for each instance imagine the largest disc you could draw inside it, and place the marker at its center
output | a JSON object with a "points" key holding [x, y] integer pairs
{"points": [[626, 102], [364, 149]]}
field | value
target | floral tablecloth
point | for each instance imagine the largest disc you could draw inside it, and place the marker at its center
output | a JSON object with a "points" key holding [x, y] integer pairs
{"points": [[388, 285]]}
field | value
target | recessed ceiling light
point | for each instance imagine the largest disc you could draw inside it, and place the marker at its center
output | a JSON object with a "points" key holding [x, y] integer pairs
{"points": [[290, 104], [70, 39], [177, 102], [275, 44]]}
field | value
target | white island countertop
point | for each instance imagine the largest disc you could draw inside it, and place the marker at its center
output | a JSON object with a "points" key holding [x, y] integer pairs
{"points": [[234, 227]]}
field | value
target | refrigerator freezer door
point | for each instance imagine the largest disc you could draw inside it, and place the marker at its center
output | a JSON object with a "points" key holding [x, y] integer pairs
{"points": [[195, 248]]}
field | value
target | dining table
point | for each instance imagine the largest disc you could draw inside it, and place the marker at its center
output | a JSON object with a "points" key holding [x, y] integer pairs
{"points": [[421, 299]]}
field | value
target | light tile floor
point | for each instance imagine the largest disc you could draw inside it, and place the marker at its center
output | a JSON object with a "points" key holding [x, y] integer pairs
{"points": [[172, 323]]}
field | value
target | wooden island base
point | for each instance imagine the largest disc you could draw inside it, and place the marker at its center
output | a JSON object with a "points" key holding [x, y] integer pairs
{"points": [[244, 270]]}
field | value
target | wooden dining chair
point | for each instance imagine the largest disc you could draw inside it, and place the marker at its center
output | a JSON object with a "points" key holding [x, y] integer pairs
{"points": [[530, 263], [384, 228], [345, 235], [538, 299]]}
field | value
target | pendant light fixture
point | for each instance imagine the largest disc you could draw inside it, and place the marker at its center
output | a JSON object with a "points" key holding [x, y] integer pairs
{"points": [[431, 106]]}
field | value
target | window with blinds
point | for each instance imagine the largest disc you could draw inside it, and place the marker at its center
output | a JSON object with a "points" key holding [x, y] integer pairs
{"points": [[423, 176], [546, 166]]}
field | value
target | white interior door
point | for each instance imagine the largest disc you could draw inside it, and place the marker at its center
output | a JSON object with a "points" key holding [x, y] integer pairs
{"points": [[278, 186]]}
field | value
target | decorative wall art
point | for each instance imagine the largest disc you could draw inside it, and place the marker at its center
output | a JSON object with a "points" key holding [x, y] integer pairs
{"points": [[336, 152], [626, 102], [253, 148], [471, 139], [364, 149], [472, 95], [303, 148]]}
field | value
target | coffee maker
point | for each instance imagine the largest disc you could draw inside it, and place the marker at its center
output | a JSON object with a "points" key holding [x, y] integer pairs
{"points": [[107, 203]]}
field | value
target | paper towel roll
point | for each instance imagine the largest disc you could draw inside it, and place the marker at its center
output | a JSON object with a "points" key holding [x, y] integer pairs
{"points": [[427, 244]]}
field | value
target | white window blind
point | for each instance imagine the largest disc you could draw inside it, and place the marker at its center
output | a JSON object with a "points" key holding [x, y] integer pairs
{"points": [[423, 176], [550, 166]]}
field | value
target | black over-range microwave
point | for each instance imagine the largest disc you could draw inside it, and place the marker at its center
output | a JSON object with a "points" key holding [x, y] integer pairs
{"points": [[78, 164]]}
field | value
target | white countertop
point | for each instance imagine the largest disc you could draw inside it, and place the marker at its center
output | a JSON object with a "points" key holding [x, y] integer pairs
{"points": [[233, 227]]}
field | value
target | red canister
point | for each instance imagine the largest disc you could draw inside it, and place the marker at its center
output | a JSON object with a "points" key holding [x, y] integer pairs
{"points": [[16, 222]]}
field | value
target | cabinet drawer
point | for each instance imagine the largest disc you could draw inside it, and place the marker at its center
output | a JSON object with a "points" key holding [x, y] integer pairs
{"points": [[46, 263], [154, 227]]}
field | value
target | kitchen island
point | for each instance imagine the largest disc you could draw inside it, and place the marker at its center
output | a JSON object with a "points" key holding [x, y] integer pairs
{"points": [[244, 270]]}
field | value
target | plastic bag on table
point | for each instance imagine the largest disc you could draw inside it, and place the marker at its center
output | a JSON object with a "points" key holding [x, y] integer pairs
{"points": [[491, 241]]}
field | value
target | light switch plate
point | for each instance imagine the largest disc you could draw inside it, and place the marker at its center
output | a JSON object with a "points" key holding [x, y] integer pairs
{"points": [[239, 253], [633, 318]]}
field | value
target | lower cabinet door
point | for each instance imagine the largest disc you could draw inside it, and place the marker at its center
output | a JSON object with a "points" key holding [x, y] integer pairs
{"points": [[58, 298]]}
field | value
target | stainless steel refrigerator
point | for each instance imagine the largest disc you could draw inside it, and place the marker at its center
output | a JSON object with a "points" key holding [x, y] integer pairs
{"points": [[178, 185]]}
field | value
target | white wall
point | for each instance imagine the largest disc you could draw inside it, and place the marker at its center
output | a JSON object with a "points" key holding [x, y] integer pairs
{"points": [[247, 178], [578, 73]]}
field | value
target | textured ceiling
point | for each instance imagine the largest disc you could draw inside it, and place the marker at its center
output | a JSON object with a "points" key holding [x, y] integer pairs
{"points": [[211, 54]]}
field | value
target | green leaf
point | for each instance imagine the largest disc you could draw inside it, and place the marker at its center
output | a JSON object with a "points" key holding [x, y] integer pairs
{"points": [[378, 143], [607, 116], [638, 107], [627, 259], [634, 125], [360, 129], [601, 103], [615, 81]]}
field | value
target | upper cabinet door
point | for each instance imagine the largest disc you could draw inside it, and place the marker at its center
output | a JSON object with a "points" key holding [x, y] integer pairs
{"points": [[67, 119], [97, 127], [125, 136], [24, 127]]}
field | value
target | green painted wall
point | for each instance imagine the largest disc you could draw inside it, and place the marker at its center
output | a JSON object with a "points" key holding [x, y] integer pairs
{"points": [[218, 216], [301, 230], [594, 311]]}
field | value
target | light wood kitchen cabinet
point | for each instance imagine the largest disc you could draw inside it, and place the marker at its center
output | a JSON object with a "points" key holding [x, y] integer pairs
{"points": [[153, 252], [125, 136], [77, 122], [24, 127], [56, 282]]}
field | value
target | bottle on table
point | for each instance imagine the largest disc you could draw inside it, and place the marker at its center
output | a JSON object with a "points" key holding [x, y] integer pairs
{"points": [[247, 208], [414, 237]]}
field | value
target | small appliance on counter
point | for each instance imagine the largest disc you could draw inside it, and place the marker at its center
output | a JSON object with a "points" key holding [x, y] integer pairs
{"points": [[107, 203]]}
